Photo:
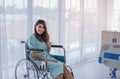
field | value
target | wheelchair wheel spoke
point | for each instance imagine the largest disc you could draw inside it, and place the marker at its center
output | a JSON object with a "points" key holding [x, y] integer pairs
{"points": [[25, 70]]}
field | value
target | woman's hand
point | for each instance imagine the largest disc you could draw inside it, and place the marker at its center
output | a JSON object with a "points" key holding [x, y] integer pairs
{"points": [[52, 60]]}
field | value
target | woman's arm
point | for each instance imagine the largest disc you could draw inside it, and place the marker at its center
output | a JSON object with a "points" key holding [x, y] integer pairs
{"points": [[49, 46], [53, 60], [34, 54]]}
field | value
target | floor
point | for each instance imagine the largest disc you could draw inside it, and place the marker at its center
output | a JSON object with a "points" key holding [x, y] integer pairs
{"points": [[91, 69], [88, 69]]}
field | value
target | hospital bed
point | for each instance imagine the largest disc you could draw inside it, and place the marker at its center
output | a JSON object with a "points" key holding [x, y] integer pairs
{"points": [[110, 57]]}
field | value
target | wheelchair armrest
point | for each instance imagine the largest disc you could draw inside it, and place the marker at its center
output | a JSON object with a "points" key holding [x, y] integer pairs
{"points": [[57, 46], [35, 49], [62, 47], [58, 57]]}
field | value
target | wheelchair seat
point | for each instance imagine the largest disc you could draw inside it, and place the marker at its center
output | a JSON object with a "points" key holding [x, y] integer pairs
{"points": [[110, 57]]}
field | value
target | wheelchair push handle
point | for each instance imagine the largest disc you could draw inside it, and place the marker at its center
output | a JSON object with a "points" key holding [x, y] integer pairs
{"points": [[22, 41]]}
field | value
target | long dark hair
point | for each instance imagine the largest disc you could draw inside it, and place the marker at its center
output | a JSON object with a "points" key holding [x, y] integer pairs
{"points": [[44, 37]]}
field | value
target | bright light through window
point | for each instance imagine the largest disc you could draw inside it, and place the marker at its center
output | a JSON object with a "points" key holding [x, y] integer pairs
{"points": [[116, 16], [45, 3]]}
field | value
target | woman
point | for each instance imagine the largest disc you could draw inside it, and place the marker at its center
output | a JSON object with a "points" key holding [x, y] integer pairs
{"points": [[40, 40]]}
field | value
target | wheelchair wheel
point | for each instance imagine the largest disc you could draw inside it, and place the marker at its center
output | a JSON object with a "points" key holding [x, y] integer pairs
{"points": [[25, 69], [70, 69]]}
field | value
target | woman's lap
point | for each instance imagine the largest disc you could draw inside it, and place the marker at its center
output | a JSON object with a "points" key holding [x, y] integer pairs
{"points": [[55, 68]]}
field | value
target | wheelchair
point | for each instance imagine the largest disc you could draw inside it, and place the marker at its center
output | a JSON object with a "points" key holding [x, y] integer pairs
{"points": [[29, 69], [110, 57]]}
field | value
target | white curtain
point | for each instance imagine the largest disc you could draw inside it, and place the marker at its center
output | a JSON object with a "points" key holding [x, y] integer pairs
{"points": [[1, 18], [76, 24], [3, 49], [12, 30]]}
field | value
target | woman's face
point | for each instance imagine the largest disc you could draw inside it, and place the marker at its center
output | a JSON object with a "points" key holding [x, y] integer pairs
{"points": [[40, 29]]}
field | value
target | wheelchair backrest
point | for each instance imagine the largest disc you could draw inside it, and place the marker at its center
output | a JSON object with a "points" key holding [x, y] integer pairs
{"points": [[61, 58], [27, 51]]}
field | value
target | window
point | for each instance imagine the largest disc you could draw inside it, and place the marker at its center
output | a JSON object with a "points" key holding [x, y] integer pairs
{"points": [[15, 31], [47, 10], [116, 16], [72, 28], [89, 28]]}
